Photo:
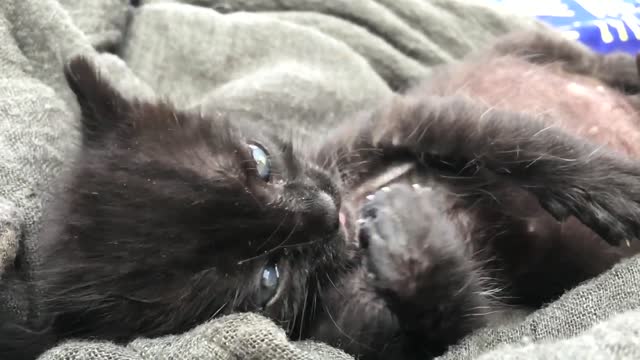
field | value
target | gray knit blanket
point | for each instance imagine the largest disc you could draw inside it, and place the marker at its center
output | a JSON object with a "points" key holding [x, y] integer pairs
{"points": [[304, 62]]}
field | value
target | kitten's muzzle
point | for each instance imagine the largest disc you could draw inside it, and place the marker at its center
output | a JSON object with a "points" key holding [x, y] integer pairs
{"points": [[315, 210], [328, 209]]}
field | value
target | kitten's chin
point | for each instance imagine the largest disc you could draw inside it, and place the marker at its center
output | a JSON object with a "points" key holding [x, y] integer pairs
{"points": [[349, 215]]}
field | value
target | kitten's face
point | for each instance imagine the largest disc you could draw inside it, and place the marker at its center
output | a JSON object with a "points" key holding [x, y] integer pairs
{"points": [[178, 218]]}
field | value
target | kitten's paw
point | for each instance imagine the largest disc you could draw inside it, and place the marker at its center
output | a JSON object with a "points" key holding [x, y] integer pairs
{"points": [[615, 224], [409, 239], [420, 266], [613, 213]]}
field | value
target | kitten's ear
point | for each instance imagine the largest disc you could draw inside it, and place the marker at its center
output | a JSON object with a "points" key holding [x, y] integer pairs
{"points": [[103, 108]]}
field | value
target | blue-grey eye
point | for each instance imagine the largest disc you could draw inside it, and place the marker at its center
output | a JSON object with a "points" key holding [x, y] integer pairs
{"points": [[263, 164], [269, 282]]}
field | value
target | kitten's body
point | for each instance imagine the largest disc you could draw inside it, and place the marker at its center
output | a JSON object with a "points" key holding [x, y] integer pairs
{"points": [[515, 252], [167, 220]]}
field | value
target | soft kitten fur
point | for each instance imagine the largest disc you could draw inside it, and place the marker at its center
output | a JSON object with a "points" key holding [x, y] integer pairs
{"points": [[166, 220]]}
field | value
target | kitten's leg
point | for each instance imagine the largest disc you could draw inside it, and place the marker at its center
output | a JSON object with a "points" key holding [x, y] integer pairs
{"points": [[568, 175], [421, 266], [618, 70]]}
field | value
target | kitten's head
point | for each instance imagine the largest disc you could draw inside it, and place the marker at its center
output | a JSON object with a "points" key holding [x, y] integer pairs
{"points": [[170, 218]]}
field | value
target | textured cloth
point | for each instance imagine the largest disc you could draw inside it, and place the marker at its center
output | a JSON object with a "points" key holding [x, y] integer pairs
{"points": [[304, 62], [597, 320], [237, 336]]}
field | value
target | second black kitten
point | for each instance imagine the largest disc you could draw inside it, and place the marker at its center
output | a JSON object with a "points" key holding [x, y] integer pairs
{"points": [[380, 239]]}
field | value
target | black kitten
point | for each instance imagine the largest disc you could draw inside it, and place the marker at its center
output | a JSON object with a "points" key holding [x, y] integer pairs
{"points": [[380, 240], [168, 219], [492, 208]]}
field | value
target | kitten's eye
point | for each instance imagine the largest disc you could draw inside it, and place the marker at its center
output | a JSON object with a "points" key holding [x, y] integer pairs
{"points": [[269, 281], [263, 165]]}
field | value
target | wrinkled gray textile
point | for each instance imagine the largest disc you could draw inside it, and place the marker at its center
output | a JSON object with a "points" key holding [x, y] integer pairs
{"points": [[305, 62]]}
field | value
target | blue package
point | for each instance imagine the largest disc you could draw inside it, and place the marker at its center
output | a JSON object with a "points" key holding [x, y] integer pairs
{"points": [[603, 25]]}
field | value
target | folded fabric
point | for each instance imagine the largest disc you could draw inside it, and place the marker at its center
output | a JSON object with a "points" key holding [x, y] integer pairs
{"points": [[305, 63]]}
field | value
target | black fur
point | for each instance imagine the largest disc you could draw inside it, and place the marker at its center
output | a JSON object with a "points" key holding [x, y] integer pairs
{"points": [[164, 221]]}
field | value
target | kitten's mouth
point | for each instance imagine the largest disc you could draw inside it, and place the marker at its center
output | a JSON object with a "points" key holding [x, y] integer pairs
{"points": [[343, 219], [350, 210]]}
